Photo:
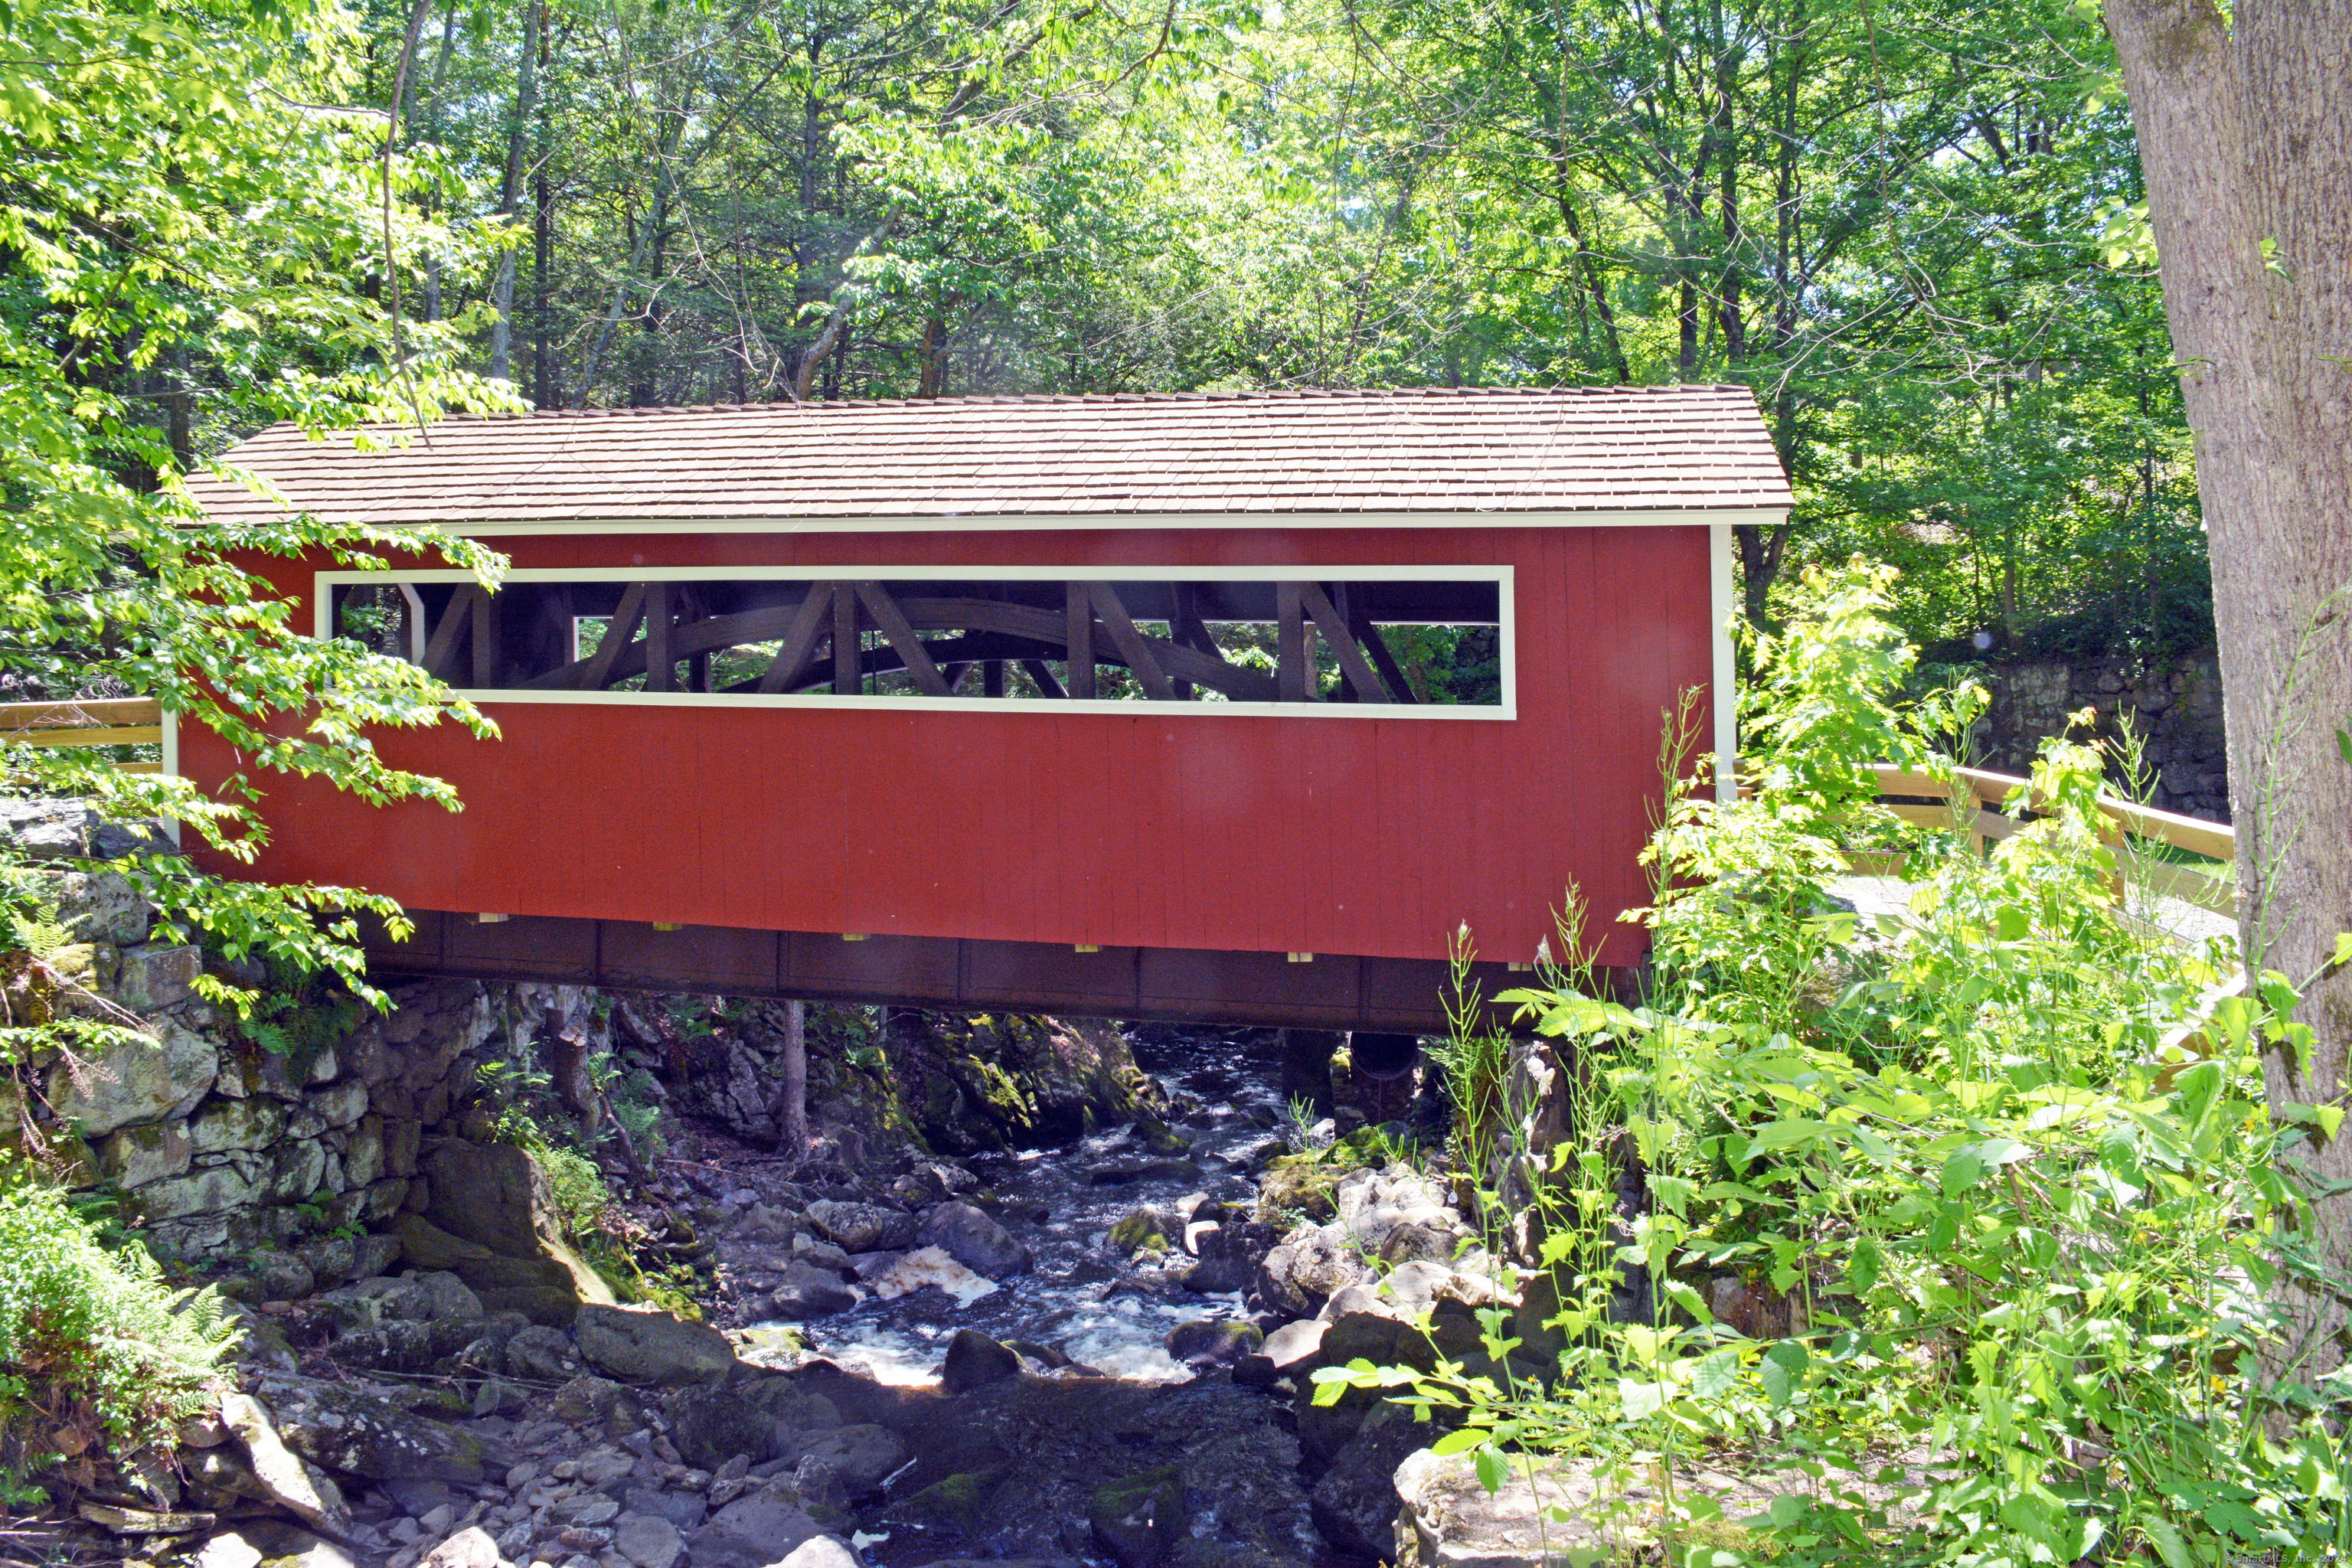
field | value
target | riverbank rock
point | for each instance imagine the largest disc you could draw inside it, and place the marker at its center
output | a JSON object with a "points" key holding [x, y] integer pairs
{"points": [[861, 1227], [283, 1477], [709, 1426], [341, 1428], [1552, 1510], [1305, 1269], [975, 1361], [1143, 1230], [971, 1238], [1008, 1080], [1205, 1344], [1237, 1468], [1400, 1215], [1140, 1519], [493, 1200], [1230, 1250], [803, 1291], [639, 1345], [1290, 1349], [758, 1529], [1355, 1501], [1418, 1312]]}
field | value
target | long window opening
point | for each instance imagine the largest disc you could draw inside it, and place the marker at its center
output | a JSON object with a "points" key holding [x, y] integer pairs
{"points": [[1438, 642]]}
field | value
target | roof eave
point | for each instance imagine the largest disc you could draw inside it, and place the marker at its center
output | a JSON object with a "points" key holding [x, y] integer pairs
{"points": [[1765, 514]]}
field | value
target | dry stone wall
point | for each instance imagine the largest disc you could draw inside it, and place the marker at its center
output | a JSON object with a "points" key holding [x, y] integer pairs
{"points": [[226, 1152], [2175, 708]]}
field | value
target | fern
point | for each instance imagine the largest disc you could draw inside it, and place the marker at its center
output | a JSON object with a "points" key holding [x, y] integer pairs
{"points": [[36, 929]]}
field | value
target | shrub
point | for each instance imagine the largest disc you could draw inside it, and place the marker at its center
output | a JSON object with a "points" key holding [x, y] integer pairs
{"points": [[2006, 1163], [96, 1350]]}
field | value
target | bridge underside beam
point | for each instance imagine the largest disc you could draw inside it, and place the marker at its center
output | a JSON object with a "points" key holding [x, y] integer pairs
{"points": [[1164, 984]]}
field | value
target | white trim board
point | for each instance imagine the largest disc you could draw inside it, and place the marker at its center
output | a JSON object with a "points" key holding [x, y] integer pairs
{"points": [[948, 571], [1114, 522], [1504, 578], [1726, 674]]}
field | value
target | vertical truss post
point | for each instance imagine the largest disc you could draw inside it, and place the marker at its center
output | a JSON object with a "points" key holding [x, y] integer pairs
{"points": [[1078, 607], [1291, 675], [485, 633], [848, 656], [661, 663], [1185, 614]]}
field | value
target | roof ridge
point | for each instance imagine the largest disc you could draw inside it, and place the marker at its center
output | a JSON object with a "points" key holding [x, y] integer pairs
{"points": [[1263, 396]]}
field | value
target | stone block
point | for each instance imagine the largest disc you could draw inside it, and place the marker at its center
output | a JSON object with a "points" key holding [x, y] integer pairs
{"points": [[383, 1199], [98, 906], [189, 1240], [297, 1171], [239, 1124], [363, 1152], [91, 966], [340, 1104], [48, 829], [212, 1190], [157, 974], [145, 1081], [135, 1157], [286, 1077], [401, 1141]]}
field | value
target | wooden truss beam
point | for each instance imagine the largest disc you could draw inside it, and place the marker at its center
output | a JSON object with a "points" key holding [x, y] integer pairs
{"points": [[1353, 667], [1132, 645], [787, 670], [892, 622]]}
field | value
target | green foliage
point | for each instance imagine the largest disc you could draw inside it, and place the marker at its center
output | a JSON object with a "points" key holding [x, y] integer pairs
{"points": [[520, 1096], [182, 232], [2004, 1166], [95, 1348]]}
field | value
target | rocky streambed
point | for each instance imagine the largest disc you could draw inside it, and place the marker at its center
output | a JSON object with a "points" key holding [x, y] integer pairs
{"points": [[1093, 1352]]}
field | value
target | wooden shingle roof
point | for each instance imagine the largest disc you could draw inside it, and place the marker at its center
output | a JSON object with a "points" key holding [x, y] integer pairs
{"points": [[1194, 460]]}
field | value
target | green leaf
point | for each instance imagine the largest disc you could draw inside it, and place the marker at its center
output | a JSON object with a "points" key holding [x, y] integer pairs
{"points": [[1716, 1375], [1962, 1170], [2198, 1089], [1862, 1269], [1461, 1440], [1492, 1471], [1639, 1401], [2166, 1537]]}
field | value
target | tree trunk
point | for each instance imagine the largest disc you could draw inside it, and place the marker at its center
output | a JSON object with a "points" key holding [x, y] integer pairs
{"points": [[2245, 133], [510, 192], [791, 1094], [1760, 548], [180, 408]]}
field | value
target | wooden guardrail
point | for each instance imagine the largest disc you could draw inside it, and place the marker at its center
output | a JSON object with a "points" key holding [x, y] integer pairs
{"points": [[1979, 791], [91, 721]]}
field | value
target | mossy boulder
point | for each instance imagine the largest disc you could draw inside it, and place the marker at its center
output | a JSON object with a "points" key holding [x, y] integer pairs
{"points": [[1140, 1519], [1142, 1234], [1301, 1187], [954, 1502]]}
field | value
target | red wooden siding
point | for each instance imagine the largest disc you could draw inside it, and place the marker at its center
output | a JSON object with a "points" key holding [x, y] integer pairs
{"points": [[1339, 834]]}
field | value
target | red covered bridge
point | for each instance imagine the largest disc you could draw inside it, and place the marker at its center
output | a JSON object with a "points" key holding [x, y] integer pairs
{"points": [[1224, 706]]}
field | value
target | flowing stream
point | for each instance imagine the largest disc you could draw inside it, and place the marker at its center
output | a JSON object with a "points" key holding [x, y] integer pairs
{"points": [[1083, 1297]]}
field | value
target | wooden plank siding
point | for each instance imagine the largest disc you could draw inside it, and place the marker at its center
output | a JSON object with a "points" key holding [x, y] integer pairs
{"points": [[1268, 834]]}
